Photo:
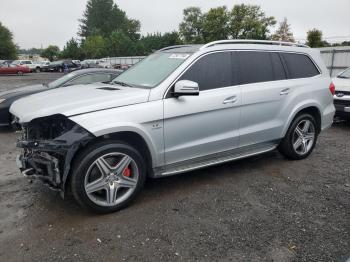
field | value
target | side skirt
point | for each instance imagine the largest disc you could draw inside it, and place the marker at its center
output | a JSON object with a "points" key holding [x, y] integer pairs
{"points": [[214, 159]]}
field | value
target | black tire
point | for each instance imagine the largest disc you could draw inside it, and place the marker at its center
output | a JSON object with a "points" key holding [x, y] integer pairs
{"points": [[86, 159], [37, 70], [286, 147]]}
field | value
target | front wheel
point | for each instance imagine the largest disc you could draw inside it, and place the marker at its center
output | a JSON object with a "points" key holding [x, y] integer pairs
{"points": [[108, 176], [300, 139]]}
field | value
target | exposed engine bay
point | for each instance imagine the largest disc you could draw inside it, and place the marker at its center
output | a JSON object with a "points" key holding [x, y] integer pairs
{"points": [[48, 146]]}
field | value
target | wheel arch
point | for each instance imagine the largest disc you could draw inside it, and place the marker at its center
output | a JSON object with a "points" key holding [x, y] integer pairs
{"points": [[310, 108], [134, 137]]}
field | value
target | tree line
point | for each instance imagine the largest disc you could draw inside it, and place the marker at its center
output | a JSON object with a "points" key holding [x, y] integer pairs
{"points": [[106, 31]]}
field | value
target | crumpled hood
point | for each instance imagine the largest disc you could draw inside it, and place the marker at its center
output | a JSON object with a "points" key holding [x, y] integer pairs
{"points": [[22, 90], [341, 84], [74, 100]]}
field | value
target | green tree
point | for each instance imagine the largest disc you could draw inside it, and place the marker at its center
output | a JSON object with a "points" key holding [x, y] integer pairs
{"points": [[94, 47], [119, 44], [153, 42], [215, 24], [51, 52], [8, 49], [242, 22], [102, 17], [72, 50], [283, 32], [191, 28], [314, 38], [250, 22]]}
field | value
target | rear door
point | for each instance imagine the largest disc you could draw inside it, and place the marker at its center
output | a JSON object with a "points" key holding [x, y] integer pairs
{"points": [[264, 91], [197, 126]]}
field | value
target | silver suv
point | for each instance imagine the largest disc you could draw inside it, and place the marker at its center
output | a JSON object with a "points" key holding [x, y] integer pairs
{"points": [[180, 109]]}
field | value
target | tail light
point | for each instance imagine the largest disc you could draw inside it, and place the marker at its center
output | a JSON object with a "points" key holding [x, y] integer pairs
{"points": [[332, 88]]}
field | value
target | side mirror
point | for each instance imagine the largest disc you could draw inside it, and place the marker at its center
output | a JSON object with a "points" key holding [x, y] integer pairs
{"points": [[186, 88]]}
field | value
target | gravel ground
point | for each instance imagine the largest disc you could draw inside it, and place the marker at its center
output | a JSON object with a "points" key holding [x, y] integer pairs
{"points": [[264, 208]]}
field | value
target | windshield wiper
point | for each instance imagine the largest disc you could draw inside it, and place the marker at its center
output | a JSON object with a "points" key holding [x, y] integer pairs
{"points": [[343, 77], [120, 83]]}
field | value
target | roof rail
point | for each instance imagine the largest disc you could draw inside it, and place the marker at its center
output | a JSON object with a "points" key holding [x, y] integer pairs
{"points": [[172, 47], [261, 42]]}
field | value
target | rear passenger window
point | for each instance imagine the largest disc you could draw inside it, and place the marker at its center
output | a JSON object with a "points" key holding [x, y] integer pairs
{"points": [[299, 66], [210, 72], [254, 67], [277, 66]]}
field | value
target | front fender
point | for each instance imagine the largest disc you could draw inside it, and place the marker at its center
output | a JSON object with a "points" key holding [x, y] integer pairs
{"points": [[145, 120]]}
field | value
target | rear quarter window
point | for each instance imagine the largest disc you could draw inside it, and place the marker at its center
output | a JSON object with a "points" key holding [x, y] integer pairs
{"points": [[299, 66]]}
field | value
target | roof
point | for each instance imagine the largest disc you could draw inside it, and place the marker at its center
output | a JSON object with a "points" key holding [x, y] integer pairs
{"points": [[181, 49]]}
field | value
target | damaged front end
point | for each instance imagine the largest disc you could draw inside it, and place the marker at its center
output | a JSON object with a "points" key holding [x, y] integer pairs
{"points": [[48, 146]]}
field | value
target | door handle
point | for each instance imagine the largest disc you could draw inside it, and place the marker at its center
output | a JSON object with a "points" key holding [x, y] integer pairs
{"points": [[230, 100], [285, 92]]}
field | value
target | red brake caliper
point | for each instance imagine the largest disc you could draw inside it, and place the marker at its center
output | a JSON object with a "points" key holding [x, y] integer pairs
{"points": [[127, 172]]}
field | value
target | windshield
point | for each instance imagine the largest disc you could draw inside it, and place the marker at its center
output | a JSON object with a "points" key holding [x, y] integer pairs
{"points": [[345, 74], [60, 81], [153, 70]]}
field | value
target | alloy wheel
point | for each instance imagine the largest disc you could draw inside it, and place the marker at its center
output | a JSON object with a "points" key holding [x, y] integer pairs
{"points": [[111, 179], [304, 137]]}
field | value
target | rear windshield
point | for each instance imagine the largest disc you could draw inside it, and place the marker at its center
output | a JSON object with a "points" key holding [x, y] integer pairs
{"points": [[153, 70]]}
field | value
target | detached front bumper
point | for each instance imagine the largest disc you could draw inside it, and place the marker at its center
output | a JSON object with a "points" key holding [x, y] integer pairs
{"points": [[50, 161]]}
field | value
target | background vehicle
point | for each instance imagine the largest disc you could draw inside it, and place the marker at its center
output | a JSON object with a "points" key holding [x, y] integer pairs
{"points": [[27, 63], [180, 109], [41, 66], [13, 69], [86, 76], [58, 66], [342, 94], [91, 63]]}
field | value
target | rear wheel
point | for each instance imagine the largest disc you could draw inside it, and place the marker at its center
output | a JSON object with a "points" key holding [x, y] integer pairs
{"points": [[108, 176], [300, 139]]}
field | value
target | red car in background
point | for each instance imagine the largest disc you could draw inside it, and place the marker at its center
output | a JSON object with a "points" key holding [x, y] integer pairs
{"points": [[13, 69]]}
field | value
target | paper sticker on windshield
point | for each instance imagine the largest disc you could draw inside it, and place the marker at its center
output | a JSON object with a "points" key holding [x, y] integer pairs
{"points": [[179, 56]]}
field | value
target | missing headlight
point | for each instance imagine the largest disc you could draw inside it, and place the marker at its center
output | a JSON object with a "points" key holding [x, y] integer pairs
{"points": [[49, 128]]}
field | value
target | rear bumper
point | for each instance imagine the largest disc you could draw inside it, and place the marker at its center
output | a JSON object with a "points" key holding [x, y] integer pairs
{"points": [[5, 116]]}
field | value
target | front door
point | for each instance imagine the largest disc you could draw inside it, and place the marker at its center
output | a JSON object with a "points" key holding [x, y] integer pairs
{"points": [[197, 126]]}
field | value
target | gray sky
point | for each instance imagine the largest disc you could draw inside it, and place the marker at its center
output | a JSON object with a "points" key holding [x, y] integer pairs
{"points": [[43, 22]]}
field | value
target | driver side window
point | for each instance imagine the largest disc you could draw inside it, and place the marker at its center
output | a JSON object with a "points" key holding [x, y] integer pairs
{"points": [[211, 71]]}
